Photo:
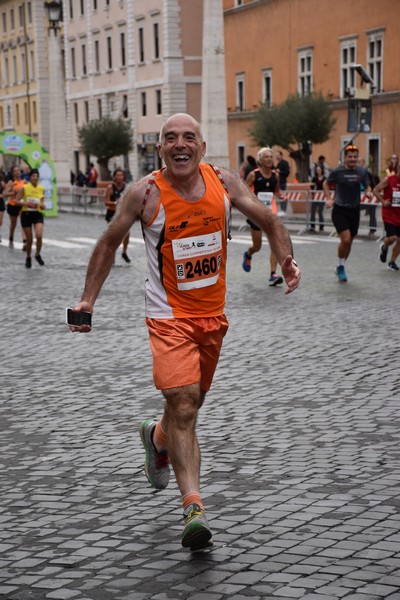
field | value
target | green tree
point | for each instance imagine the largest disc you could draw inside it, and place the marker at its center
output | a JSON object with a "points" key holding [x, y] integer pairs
{"points": [[105, 138], [295, 125]]}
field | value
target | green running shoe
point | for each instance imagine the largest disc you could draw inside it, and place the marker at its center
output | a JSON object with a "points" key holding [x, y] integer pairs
{"points": [[196, 534], [156, 464]]}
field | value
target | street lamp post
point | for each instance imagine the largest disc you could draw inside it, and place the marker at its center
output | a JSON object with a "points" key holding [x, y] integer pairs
{"points": [[57, 109]]}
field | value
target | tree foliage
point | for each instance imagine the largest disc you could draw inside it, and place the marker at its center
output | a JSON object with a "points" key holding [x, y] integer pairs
{"points": [[105, 138], [295, 125]]}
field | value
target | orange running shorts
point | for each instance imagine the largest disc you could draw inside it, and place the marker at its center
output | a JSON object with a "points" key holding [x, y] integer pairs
{"points": [[186, 351]]}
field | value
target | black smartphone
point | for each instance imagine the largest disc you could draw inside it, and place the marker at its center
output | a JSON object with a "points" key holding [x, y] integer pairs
{"points": [[78, 318]]}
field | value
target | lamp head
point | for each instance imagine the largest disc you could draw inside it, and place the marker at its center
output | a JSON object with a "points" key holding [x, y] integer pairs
{"points": [[54, 12]]}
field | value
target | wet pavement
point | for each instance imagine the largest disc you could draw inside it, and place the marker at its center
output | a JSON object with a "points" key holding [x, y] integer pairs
{"points": [[299, 433]]}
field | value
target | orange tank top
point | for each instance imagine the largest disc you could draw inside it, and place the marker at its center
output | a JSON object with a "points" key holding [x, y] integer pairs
{"points": [[186, 246], [17, 185]]}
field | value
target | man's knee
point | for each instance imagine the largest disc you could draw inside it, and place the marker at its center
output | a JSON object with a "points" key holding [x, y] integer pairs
{"points": [[183, 404]]}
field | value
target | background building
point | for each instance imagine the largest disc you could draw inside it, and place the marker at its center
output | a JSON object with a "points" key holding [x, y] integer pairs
{"points": [[139, 60], [23, 69], [279, 47]]}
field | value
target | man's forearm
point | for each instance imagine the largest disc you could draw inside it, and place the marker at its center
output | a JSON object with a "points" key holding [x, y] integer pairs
{"points": [[98, 269], [279, 240]]}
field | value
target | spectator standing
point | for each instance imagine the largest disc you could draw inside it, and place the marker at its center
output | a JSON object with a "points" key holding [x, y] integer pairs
{"points": [[348, 180], [184, 210], [248, 166], [80, 179], [283, 170], [316, 205], [322, 163], [390, 186], [370, 209], [92, 176], [392, 166], [114, 192]]}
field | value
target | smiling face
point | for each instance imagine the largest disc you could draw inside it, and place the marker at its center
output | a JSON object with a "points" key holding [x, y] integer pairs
{"points": [[181, 145], [266, 159], [34, 178], [351, 159]]}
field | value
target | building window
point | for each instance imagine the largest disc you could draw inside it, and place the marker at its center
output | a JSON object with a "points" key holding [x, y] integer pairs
{"points": [[348, 51], [156, 36], [141, 45], [109, 52], [240, 93], [26, 112], [82, 5], [304, 66], [107, 3], [267, 87], [12, 22], [15, 70], [17, 113], [31, 66], [7, 71], [84, 67], [71, 9], [123, 49], [125, 106], [73, 63], [241, 155], [94, 4], [23, 67], [34, 111], [4, 21], [158, 102], [1, 117], [375, 59], [86, 111], [76, 113], [144, 104], [99, 108], [21, 16], [29, 7], [97, 55]]}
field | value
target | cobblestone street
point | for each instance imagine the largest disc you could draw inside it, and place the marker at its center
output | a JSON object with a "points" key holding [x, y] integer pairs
{"points": [[299, 433]]}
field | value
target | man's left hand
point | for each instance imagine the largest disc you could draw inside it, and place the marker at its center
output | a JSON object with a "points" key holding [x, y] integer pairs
{"points": [[291, 273]]}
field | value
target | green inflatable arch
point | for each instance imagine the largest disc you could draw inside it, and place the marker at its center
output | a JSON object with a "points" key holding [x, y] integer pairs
{"points": [[30, 150]]}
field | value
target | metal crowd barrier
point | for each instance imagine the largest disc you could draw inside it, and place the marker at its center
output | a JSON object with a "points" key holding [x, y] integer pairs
{"points": [[81, 199], [299, 209]]}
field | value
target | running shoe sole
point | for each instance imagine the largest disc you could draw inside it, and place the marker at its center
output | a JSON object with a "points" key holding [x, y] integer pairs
{"points": [[196, 536]]}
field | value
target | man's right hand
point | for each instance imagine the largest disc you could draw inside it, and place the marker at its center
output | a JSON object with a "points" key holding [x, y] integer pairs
{"points": [[86, 307]]}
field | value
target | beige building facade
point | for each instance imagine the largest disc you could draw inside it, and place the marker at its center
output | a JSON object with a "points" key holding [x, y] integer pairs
{"points": [[136, 59], [24, 97], [302, 46]]}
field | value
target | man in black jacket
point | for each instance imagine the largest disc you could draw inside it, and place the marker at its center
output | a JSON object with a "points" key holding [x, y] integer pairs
{"points": [[283, 169]]}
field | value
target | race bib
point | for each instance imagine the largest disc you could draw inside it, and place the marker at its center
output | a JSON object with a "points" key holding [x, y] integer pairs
{"points": [[266, 198], [396, 200], [197, 260], [32, 203]]}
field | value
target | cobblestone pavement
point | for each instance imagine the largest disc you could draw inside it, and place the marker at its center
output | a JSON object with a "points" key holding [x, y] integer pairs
{"points": [[300, 434]]}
